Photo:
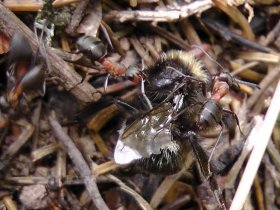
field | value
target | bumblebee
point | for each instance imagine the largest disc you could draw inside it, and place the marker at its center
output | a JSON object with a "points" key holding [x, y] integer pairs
{"points": [[184, 100]]}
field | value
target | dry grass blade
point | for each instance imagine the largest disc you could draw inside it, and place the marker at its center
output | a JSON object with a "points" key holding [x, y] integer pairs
{"points": [[10, 204], [255, 158], [60, 3], [17, 145], [142, 203], [26, 5], [258, 56], [167, 183], [44, 151]]}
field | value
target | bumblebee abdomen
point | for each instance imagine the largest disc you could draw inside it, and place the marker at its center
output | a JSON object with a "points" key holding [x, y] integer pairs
{"points": [[165, 163]]}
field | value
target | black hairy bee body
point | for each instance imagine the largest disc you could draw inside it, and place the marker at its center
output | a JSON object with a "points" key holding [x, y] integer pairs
{"points": [[176, 71], [168, 161]]}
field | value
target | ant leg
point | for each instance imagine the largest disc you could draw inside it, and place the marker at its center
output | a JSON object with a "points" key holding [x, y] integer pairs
{"points": [[106, 83], [125, 105], [236, 119], [216, 144], [200, 154], [185, 109], [217, 192], [202, 159], [250, 84], [145, 96]]}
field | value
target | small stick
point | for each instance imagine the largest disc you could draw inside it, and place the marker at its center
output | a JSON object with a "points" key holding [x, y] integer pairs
{"points": [[44, 151], [79, 164], [60, 3], [262, 138], [12, 150], [265, 83], [9, 203], [142, 203], [167, 15]]}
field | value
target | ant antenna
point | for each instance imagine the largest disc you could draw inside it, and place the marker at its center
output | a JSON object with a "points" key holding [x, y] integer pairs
{"points": [[183, 75], [208, 56], [250, 84], [125, 104], [213, 60], [42, 25]]}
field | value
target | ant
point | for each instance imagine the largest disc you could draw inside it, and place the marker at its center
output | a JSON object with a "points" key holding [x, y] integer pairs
{"points": [[94, 49], [22, 74]]}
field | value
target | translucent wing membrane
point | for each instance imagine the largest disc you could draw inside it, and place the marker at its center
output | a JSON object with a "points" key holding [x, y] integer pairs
{"points": [[146, 136]]}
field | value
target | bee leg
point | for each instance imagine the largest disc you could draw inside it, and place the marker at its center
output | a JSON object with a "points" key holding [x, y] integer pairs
{"points": [[200, 154]]}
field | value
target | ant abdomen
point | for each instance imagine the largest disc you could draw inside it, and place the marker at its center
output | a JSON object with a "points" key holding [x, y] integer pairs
{"points": [[210, 114], [92, 47]]}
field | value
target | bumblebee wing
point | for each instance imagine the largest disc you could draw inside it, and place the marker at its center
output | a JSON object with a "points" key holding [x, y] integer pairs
{"points": [[145, 136]]}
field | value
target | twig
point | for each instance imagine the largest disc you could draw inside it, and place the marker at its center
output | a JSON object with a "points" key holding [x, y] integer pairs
{"points": [[24, 6], [142, 203], [265, 83], [44, 151], [169, 15], [171, 37], [77, 16], [70, 80], [179, 202], [60, 3], [9, 203], [252, 166], [7, 156], [231, 36], [33, 6], [272, 34], [79, 164]]}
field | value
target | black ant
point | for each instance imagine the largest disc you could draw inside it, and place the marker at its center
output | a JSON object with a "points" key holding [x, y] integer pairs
{"points": [[23, 74], [94, 49]]}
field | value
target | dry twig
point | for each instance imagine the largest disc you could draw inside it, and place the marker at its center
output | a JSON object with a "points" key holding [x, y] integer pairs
{"points": [[168, 15], [79, 164]]}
